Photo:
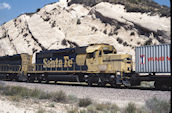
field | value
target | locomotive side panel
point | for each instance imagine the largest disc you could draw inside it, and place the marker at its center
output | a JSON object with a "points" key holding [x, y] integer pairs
{"points": [[64, 60]]}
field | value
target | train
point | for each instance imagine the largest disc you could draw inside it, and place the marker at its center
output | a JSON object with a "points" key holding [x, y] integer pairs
{"points": [[93, 64]]}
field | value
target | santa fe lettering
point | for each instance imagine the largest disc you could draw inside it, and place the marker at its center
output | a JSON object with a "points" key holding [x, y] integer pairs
{"points": [[57, 62]]}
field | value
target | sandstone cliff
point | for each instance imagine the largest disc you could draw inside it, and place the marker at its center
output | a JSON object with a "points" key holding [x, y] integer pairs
{"points": [[60, 25]]}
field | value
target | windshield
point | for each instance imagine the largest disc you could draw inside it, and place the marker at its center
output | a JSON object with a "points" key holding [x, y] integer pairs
{"points": [[107, 52]]}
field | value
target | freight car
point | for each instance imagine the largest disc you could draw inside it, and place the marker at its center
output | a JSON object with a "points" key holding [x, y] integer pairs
{"points": [[94, 64], [153, 63]]}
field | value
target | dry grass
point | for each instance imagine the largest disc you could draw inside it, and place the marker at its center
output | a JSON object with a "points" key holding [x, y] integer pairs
{"points": [[84, 102], [16, 93]]}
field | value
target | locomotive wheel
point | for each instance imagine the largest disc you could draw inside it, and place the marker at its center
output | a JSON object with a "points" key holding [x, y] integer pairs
{"points": [[47, 81], [112, 84], [102, 83], [161, 85], [39, 80], [90, 84], [30, 80]]}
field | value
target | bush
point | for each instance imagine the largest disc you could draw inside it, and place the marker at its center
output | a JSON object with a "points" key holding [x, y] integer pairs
{"points": [[64, 42], [52, 105], [72, 110], [17, 92], [72, 99], [158, 106], [119, 40], [125, 44], [84, 102], [112, 108], [148, 42], [131, 108], [105, 31], [132, 34], [38, 10], [92, 109], [40, 110], [59, 96], [78, 21], [15, 98]]}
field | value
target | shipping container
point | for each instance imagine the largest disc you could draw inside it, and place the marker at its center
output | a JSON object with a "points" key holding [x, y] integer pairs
{"points": [[153, 59]]}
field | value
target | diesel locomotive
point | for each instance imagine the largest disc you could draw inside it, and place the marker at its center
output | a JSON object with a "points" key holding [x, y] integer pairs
{"points": [[94, 64]]}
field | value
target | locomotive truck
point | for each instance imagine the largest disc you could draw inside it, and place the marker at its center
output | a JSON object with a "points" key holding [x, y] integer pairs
{"points": [[94, 64]]}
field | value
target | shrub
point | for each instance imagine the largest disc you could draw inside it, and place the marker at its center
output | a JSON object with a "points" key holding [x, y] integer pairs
{"points": [[15, 98], [59, 96], [158, 106], [131, 108], [51, 105], [64, 42], [125, 44], [84, 102], [53, 24], [112, 108], [92, 109], [72, 110], [16, 90], [138, 43], [40, 110], [47, 18], [132, 34], [38, 10], [119, 40], [72, 99], [148, 42], [105, 31], [78, 21]]}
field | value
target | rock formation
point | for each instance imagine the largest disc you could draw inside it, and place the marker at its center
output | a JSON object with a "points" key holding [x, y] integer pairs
{"points": [[60, 25]]}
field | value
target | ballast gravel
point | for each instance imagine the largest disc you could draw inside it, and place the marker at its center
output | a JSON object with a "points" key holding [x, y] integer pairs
{"points": [[103, 95]]}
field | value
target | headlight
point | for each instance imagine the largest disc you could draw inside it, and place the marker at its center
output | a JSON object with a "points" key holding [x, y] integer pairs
{"points": [[118, 73], [112, 76], [85, 76]]}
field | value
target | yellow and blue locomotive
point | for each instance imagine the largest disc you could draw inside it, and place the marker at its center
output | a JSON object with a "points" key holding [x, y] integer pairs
{"points": [[96, 63]]}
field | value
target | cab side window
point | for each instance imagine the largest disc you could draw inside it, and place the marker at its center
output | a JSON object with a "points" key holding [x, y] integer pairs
{"points": [[90, 55], [100, 53]]}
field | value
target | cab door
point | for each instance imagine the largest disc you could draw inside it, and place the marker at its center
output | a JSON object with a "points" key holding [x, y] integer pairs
{"points": [[92, 61]]}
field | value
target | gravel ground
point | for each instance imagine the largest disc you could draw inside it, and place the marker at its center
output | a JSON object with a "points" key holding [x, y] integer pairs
{"points": [[119, 96]]}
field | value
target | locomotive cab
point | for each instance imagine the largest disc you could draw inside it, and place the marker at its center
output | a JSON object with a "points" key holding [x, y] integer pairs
{"points": [[103, 59]]}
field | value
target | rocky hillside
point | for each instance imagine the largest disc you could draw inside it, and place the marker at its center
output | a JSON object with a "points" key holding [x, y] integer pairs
{"points": [[68, 24], [143, 6]]}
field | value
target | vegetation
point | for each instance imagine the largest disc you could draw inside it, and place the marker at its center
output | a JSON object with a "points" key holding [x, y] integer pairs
{"points": [[131, 108], [148, 42], [158, 106], [84, 105], [84, 102], [40, 110], [143, 6]]}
